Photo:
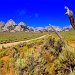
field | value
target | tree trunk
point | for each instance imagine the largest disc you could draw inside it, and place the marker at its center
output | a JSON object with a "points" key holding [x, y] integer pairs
{"points": [[71, 18]]}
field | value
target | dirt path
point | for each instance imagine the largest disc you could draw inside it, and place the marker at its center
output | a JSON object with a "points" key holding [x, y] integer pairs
{"points": [[16, 43]]}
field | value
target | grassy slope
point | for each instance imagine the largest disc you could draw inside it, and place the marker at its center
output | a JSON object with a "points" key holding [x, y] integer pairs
{"points": [[19, 55], [38, 57], [68, 36], [6, 37]]}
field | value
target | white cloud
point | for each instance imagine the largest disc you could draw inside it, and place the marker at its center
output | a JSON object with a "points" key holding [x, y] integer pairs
{"points": [[21, 12], [36, 15]]}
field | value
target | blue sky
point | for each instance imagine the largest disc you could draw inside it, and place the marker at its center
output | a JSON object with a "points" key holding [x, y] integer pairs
{"points": [[36, 12]]}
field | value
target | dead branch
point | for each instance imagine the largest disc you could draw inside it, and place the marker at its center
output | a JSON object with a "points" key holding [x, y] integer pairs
{"points": [[61, 38]]}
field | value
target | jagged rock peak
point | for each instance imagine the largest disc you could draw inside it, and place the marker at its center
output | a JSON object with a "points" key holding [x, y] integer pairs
{"points": [[22, 24], [10, 23]]}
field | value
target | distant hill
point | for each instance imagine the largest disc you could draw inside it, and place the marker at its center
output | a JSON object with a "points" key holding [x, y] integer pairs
{"points": [[11, 26]]}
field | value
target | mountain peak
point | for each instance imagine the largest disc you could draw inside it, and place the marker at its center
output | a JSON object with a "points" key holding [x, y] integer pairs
{"points": [[10, 23], [22, 24]]}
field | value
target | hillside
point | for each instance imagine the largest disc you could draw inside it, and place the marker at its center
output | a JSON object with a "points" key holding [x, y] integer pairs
{"points": [[44, 56]]}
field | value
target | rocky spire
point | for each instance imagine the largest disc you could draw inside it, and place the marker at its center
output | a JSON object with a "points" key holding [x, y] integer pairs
{"points": [[10, 23], [22, 24]]}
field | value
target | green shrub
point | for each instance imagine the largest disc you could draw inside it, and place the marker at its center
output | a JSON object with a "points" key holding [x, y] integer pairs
{"points": [[66, 60]]}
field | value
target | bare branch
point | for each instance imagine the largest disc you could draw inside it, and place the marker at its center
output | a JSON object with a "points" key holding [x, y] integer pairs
{"points": [[61, 38]]}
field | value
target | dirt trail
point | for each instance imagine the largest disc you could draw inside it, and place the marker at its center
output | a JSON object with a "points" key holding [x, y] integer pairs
{"points": [[16, 43]]}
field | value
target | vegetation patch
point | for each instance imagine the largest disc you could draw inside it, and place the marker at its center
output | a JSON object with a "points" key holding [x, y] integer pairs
{"points": [[44, 56]]}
